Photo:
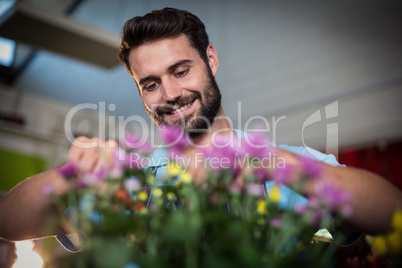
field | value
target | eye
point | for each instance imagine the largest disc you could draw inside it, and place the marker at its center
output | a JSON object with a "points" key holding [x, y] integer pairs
{"points": [[151, 87], [182, 73]]}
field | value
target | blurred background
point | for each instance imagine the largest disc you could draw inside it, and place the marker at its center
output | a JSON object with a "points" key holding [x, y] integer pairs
{"points": [[325, 74]]}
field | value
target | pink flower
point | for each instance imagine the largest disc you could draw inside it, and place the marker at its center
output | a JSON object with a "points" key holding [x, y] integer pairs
{"points": [[226, 150], [101, 173], [173, 136], [300, 209], [235, 188], [135, 142], [255, 189], [332, 195], [89, 179], [346, 210], [115, 172], [257, 145], [261, 174], [283, 175], [311, 167], [47, 189], [67, 170], [132, 184], [276, 222], [175, 139]]}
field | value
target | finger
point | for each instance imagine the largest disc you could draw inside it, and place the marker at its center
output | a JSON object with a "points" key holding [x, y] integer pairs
{"points": [[106, 155], [85, 158], [75, 151], [89, 160], [110, 150]]}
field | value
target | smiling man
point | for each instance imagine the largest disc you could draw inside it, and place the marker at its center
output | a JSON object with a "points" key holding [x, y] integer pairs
{"points": [[174, 67], [168, 54], [176, 85]]}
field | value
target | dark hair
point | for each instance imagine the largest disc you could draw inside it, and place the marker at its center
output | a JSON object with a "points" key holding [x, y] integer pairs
{"points": [[167, 22]]}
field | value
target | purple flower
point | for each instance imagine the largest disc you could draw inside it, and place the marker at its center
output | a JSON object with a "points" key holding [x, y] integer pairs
{"points": [[175, 139], [261, 174], [101, 173], [300, 209], [173, 136], [257, 145], [276, 222], [115, 172], [255, 189], [135, 142], [346, 210], [235, 188], [332, 195], [89, 179], [311, 167], [132, 184], [283, 175], [227, 151], [68, 169]]}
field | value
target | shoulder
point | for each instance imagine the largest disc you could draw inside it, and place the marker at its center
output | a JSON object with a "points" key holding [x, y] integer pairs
{"points": [[301, 150], [311, 153]]}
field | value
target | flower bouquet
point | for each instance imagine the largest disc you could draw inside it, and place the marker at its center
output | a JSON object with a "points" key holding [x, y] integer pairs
{"points": [[129, 216]]}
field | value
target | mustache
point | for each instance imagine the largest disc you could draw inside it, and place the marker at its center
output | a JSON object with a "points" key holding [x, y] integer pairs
{"points": [[181, 101]]}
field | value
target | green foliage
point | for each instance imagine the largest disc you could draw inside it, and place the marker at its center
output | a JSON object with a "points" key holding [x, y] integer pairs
{"points": [[185, 226]]}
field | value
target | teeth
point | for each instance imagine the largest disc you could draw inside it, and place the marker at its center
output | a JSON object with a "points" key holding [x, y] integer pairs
{"points": [[181, 108]]}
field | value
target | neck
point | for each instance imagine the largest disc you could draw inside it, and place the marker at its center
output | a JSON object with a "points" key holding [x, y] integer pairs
{"points": [[220, 126]]}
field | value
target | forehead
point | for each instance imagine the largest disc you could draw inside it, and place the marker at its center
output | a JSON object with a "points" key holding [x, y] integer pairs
{"points": [[154, 57]]}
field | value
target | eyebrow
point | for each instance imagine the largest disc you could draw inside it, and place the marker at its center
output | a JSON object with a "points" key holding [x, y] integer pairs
{"points": [[170, 68]]}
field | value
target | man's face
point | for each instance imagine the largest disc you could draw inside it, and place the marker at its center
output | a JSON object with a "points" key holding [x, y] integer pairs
{"points": [[175, 84]]}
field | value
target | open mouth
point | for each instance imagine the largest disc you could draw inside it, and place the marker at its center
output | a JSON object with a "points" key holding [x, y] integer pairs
{"points": [[181, 108]]}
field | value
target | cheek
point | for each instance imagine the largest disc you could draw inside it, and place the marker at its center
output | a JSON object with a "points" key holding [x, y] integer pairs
{"points": [[194, 82], [149, 100]]}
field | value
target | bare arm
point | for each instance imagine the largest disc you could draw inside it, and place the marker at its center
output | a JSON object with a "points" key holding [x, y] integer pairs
{"points": [[24, 211], [374, 199]]}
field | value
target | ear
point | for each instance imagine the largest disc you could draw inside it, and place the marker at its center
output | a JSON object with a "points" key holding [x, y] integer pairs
{"points": [[213, 59]]}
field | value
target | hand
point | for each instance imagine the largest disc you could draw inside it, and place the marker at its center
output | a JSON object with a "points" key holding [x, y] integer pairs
{"points": [[90, 154]]}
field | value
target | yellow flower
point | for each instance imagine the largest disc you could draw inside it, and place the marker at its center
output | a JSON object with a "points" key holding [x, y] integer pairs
{"points": [[396, 223], [142, 196], [186, 177], [173, 169], [171, 196], [261, 206], [275, 194], [394, 242], [151, 180], [157, 192], [379, 245]]}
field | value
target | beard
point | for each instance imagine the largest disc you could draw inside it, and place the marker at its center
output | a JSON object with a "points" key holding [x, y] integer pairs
{"points": [[198, 123]]}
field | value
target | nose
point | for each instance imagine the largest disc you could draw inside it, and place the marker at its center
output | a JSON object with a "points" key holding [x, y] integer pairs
{"points": [[171, 90]]}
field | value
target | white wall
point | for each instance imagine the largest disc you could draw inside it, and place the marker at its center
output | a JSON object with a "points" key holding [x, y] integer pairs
{"points": [[277, 58], [43, 132]]}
